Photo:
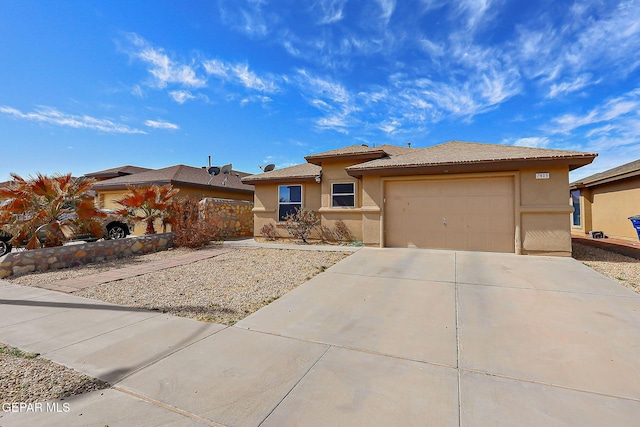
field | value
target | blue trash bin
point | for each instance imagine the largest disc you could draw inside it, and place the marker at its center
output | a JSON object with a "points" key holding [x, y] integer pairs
{"points": [[635, 220]]}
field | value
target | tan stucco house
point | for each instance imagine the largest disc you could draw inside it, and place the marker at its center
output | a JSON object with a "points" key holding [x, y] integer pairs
{"points": [[456, 195], [191, 181], [605, 201]]}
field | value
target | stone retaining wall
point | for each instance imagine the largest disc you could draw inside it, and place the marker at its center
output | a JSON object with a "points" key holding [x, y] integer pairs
{"points": [[81, 254], [234, 217]]}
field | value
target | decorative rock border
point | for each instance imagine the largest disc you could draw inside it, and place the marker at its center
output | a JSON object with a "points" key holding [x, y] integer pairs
{"points": [[81, 254]]}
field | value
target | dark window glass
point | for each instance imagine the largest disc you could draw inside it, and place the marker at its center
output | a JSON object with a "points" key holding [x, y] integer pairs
{"points": [[343, 195], [290, 194], [287, 209], [289, 199], [575, 201]]}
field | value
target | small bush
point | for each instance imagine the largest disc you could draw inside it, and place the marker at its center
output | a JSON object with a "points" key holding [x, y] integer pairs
{"points": [[269, 231], [191, 227], [301, 224], [339, 233]]}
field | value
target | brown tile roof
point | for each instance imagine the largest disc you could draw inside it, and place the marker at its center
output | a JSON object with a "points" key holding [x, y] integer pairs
{"points": [[357, 151], [627, 170], [398, 159], [178, 175], [460, 153], [115, 172], [301, 172]]}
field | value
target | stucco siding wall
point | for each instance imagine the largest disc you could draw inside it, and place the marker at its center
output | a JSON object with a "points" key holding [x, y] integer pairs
{"points": [[544, 211], [612, 205], [265, 208], [372, 212]]}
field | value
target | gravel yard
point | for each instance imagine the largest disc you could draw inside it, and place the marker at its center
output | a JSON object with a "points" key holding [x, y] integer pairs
{"points": [[223, 289], [620, 268], [25, 377]]}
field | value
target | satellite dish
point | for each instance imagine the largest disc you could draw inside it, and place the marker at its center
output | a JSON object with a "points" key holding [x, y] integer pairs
{"points": [[269, 167], [213, 170], [226, 169]]}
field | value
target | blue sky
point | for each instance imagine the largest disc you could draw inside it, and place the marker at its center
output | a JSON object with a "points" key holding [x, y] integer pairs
{"points": [[87, 86]]}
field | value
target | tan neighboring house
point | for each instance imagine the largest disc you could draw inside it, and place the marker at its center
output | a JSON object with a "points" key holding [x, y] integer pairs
{"points": [[456, 195], [116, 172], [605, 201], [191, 181]]}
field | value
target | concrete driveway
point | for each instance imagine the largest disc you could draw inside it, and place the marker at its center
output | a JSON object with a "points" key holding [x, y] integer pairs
{"points": [[385, 337]]}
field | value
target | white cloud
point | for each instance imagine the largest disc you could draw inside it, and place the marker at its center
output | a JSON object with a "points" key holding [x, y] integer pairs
{"points": [[164, 70], [181, 96], [476, 12], [159, 124], [331, 11], [610, 110], [245, 16], [387, 7], [578, 83], [52, 116], [240, 74], [592, 38]]}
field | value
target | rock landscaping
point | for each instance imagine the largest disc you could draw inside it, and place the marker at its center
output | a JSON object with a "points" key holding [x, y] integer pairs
{"points": [[26, 378], [620, 268]]}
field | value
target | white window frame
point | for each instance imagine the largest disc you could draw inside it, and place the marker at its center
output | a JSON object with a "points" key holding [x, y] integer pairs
{"points": [[344, 194], [290, 203]]}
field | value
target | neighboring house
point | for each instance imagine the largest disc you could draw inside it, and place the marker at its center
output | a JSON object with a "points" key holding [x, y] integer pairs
{"points": [[116, 172], [605, 201], [191, 181], [456, 195]]}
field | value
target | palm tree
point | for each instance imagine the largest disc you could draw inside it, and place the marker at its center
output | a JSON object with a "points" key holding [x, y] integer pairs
{"points": [[49, 210], [147, 204]]}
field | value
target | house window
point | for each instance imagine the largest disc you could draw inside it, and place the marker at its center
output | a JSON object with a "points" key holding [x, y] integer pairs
{"points": [[575, 201], [289, 199], [343, 195]]}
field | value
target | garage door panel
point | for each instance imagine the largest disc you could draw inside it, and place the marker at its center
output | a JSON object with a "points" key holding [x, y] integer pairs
{"points": [[466, 214], [501, 223], [479, 222]]}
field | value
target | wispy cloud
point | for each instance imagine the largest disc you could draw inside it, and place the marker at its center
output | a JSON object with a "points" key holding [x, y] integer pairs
{"points": [[55, 117], [240, 74], [611, 110], [331, 98], [246, 16], [592, 38], [181, 96], [474, 12], [576, 84], [387, 7], [160, 124], [164, 70], [331, 11]]}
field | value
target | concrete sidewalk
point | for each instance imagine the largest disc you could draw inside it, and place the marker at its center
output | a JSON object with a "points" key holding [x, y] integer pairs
{"points": [[387, 337]]}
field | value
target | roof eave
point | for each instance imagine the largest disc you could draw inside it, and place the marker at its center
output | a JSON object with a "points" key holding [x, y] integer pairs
{"points": [[123, 186], [369, 155], [281, 179], [485, 166], [608, 179]]}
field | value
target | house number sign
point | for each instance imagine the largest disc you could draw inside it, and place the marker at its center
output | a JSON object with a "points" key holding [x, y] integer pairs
{"points": [[542, 175]]}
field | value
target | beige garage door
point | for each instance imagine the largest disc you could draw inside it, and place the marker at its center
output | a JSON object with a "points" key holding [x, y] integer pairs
{"points": [[465, 214]]}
